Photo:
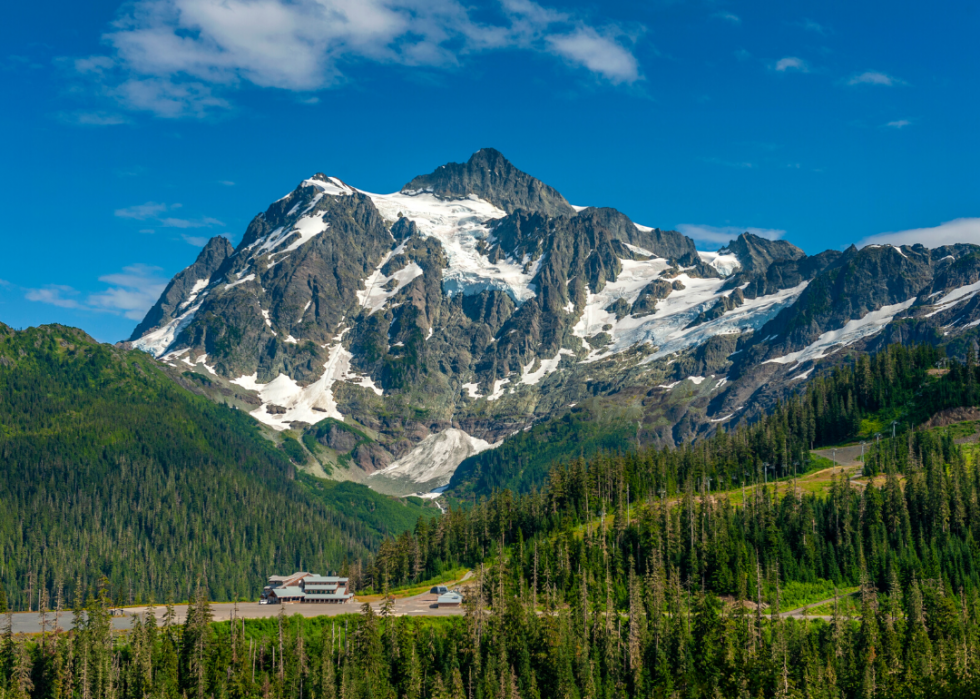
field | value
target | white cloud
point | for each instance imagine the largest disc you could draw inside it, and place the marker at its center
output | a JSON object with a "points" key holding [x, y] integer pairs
{"points": [[167, 99], [602, 55], [54, 294], [961, 230], [226, 183], [141, 212], [791, 63], [723, 234], [873, 77], [130, 293], [898, 124], [728, 17], [195, 240], [173, 57]]}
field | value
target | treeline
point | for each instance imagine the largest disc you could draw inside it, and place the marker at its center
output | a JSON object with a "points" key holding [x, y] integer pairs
{"points": [[109, 468], [831, 410], [666, 640]]}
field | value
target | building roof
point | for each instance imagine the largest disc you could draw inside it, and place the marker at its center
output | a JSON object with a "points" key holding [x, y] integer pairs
{"points": [[288, 592], [322, 579]]}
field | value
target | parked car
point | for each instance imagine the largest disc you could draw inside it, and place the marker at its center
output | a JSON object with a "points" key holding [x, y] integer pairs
{"points": [[263, 601], [439, 590]]}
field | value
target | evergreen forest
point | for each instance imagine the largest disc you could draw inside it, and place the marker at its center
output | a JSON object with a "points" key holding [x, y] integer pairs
{"points": [[108, 468], [707, 570]]}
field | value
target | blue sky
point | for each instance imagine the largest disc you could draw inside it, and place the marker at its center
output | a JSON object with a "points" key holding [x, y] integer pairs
{"points": [[136, 131]]}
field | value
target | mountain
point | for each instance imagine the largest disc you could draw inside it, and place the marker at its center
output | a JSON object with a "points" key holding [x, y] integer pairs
{"points": [[114, 464], [402, 334]]}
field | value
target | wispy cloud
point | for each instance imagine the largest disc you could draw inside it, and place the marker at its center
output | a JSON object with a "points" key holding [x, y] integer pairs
{"points": [[961, 230], [791, 63], [141, 212], [742, 55], [55, 295], [728, 17], [720, 235], [206, 222], [811, 26], [226, 183], [155, 210], [874, 77], [97, 118], [739, 164], [898, 124], [179, 58], [129, 293]]}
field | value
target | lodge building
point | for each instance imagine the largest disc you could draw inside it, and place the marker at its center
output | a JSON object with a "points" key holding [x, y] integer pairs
{"points": [[307, 588]]}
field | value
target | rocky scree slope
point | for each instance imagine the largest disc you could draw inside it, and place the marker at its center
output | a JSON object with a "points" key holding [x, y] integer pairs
{"points": [[426, 326]]}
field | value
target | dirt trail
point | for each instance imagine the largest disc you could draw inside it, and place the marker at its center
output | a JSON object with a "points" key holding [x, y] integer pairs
{"points": [[798, 612]]}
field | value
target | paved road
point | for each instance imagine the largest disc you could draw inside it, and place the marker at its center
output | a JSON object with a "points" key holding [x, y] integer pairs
{"points": [[418, 605]]}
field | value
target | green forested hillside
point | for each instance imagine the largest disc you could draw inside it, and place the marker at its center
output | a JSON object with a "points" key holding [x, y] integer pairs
{"points": [[920, 521], [869, 390], [108, 467], [524, 459], [633, 575]]}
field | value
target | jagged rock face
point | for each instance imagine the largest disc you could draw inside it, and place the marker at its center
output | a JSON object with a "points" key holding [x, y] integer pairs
{"points": [[184, 287], [756, 254], [434, 322], [489, 175], [276, 301]]}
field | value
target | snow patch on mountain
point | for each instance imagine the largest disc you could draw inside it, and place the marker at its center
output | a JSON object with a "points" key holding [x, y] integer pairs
{"points": [[248, 278], [375, 295], [158, 341], [548, 366], [291, 402], [331, 186], [199, 286], [459, 225], [954, 297], [726, 264], [854, 330], [667, 328], [472, 390], [430, 464]]}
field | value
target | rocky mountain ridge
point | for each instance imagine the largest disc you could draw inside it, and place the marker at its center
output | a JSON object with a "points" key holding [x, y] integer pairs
{"points": [[435, 322]]}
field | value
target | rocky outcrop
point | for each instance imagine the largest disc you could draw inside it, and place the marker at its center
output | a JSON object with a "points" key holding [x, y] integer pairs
{"points": [[185, 286], [755, 253], [490, 176]]}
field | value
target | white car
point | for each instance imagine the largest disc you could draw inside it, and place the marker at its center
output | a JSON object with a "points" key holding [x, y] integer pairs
{"points": [[263, 601]]}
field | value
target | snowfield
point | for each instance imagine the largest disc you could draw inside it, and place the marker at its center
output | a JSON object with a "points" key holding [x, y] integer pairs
{"points": [[459, 225], [305, 404], [854, 330], [430, 464]]}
